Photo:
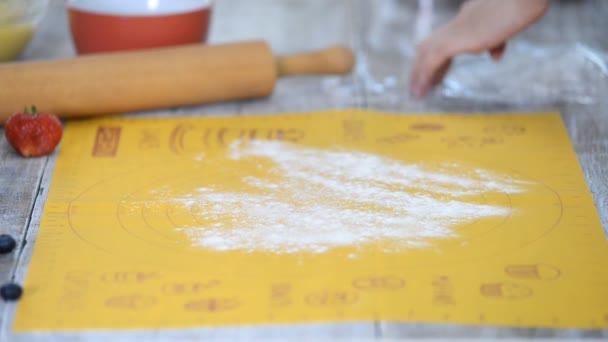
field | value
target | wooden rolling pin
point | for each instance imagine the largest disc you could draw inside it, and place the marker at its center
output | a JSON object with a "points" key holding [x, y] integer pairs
{"points": [[147, 79]]}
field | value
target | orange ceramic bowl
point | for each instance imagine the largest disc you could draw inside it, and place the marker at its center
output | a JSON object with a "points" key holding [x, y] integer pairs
{"points": [[115, 25]]}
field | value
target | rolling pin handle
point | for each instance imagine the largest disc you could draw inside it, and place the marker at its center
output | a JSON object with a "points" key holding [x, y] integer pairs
{"points": [[334, 60]]}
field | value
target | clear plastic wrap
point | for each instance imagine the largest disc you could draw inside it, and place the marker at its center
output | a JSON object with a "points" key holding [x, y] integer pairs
{"points": [[535, 74], [542, 67]]}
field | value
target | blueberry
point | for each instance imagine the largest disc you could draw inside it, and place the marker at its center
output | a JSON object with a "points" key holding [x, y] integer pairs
{"points": [[7, 244], [10, 291]]}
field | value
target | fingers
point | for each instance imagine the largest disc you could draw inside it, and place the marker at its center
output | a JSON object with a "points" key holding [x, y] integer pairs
{"points": [[479, 26], [498, 51], [430, 65]]}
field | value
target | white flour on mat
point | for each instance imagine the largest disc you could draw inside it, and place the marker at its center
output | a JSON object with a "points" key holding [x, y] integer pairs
{"points": [[317, 200]]}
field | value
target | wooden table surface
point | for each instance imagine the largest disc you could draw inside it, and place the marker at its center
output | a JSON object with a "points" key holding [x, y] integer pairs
{"points": [[571, 78]]}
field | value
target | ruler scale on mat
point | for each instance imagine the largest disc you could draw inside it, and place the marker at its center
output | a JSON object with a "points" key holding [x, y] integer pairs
{"points": [[326, 216]]}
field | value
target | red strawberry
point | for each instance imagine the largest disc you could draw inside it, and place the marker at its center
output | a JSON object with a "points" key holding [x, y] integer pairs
{"points": [[33, 134]]}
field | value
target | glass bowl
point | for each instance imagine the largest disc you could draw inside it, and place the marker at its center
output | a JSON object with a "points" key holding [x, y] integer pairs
{"points": [[18, 21]]}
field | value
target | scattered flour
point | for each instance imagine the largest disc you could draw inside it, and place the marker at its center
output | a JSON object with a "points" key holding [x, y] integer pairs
{"points": [[314, 200]]}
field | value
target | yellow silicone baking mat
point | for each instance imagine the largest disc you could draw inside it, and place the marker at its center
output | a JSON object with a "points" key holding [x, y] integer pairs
{"points": [[326, 216]]}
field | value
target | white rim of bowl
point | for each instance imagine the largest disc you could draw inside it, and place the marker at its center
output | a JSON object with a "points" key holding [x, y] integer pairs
{"points": [[141, 8]]}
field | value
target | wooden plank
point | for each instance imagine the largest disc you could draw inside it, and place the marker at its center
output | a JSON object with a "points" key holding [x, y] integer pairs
{"points": [[588, 129], [19, 180], [421, 330], [304, 332], [18, 269]]}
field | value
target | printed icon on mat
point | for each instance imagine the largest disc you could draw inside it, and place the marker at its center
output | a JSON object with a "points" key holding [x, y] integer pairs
{"points": [[128, 277], [131, 302], [189, 138], [378, 283], [354, 130], [213, 304], [280, 295], [149, 139], [189, 288], [106, 141], [443, 290], [427, 127], [472, 141], [398, 138], [331, 298], [533, 271], [505, 129], [505, 290]]}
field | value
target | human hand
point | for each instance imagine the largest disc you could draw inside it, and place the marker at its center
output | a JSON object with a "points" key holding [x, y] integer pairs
{"points": [[480, 25]]}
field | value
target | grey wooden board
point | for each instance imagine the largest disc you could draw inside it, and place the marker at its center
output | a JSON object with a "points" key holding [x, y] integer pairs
{"points": [[383, 34]]}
